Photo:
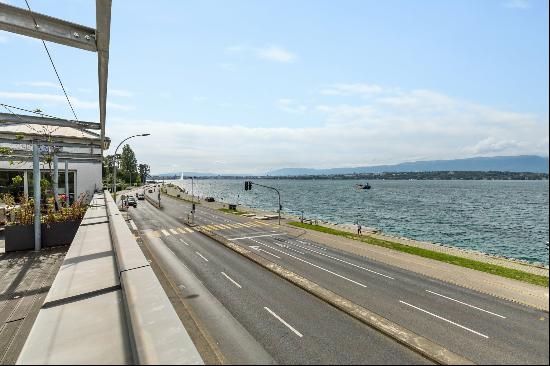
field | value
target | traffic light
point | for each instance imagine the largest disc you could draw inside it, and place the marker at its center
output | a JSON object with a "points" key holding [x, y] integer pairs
{"points": [[193, 207]]}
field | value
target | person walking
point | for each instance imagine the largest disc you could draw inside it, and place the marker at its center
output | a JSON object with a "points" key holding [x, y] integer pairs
{"points": [[359, 229]]}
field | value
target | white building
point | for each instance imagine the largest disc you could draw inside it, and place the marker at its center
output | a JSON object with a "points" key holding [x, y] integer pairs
{"points": [[78, 150]]}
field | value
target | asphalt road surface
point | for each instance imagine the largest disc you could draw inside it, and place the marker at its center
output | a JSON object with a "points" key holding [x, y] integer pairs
{"points": [[479, 327]]}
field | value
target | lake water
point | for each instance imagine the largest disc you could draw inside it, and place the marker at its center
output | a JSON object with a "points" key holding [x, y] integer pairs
{"points": [[508, 218]]}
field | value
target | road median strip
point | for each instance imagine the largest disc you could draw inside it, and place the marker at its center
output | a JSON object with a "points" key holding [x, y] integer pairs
{"points": [[417, 343], [438, 256]]}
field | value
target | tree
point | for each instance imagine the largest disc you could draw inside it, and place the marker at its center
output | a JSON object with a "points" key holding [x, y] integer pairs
{"points": [[128, 163], [144, 171]]}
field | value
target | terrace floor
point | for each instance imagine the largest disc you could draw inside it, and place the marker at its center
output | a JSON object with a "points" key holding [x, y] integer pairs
{"points": [[25, 278]]}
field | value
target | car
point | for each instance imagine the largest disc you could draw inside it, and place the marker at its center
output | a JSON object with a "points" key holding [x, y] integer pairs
{"points": [[131, 201], [140, 194], [209, 199]]}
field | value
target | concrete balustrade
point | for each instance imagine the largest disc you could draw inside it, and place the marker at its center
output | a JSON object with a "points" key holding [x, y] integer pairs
{"points": [[106, 304]]}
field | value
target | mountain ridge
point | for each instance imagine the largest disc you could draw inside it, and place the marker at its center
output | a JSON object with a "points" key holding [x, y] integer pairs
{"points": [[520, 163]]}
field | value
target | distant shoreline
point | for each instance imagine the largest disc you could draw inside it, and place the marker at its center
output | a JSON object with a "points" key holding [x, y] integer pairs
{"points": [[435, 175]]}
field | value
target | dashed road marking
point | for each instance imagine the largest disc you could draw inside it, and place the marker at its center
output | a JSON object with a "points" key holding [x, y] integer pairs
{"points": [[255, 236], [316, 266], [442, 318], [282, 321], [463, 303], [232, 280], [166, 233], [202, 256]]}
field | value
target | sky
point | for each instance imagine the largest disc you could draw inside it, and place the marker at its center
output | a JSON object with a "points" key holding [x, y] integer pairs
{"points": [[251, 86]]}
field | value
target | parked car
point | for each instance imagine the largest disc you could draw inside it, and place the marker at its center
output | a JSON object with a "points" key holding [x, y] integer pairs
{"points": [[132, 201]]}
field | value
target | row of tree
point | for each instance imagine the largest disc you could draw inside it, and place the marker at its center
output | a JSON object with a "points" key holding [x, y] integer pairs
{"points": [[129, 172]]}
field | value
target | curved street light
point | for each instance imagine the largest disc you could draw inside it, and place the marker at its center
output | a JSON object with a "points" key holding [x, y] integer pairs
{"points": [[114, 159]]}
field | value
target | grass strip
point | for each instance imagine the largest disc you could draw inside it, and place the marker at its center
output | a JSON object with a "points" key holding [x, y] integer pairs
{"points": [[181, 198], [234, 212], [426, 253]]}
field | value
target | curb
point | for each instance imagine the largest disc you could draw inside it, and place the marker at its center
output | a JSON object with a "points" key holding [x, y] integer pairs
{"points": [[417, 343]]}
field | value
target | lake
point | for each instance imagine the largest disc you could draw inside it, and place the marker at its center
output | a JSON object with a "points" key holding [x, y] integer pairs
{"points": [[508, 218]]}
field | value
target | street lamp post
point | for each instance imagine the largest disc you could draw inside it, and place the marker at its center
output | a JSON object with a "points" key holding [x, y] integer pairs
{"points": [[114, 160], [250, 183]]}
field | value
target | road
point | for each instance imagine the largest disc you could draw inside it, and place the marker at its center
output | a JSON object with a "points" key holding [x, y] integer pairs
{"points": [[293, 326], [479, 327]]}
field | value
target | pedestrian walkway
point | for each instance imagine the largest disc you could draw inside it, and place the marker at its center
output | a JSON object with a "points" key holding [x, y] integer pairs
{"points": [[25, 279], [182, 230]]}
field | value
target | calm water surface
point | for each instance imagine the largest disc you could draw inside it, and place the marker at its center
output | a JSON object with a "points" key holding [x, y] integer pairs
{"points": [[508, 218]]}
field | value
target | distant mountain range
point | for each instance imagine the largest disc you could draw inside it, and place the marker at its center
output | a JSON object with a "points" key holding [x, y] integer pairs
{"points": [[522, 163]]}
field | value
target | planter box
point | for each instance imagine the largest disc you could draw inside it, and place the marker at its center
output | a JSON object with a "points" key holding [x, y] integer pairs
{"points": [[59, 233], [19, 237]]}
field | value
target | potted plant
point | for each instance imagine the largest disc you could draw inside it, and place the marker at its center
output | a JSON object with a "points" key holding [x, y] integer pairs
{"points": [[19, 231], [60, 227]]}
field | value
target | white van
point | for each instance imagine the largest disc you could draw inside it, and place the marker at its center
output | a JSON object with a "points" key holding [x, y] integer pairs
{"points": [[141, 194]]}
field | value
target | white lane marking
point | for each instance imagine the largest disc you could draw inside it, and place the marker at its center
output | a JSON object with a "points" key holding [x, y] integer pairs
{"points": [[343, 261], [256, 236], [180, 230], [184, 242], [188, 230], [463, 303], [282, 321], [166, 233], [173, 231], [447, 320], [316, 266], [230, 279], [133, 225], [255, 247], [200, 255]]}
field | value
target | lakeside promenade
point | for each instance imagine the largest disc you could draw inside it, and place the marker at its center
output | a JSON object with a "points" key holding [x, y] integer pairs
{"points": [[497, 286]]}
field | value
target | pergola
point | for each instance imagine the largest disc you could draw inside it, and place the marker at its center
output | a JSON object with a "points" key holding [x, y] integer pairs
{"points": [[44, 27]]}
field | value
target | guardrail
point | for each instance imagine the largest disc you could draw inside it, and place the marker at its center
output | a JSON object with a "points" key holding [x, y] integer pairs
{"points": [[106, 304]]}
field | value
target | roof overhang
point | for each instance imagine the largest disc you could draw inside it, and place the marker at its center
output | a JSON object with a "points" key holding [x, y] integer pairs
{"points": [[22, 21]]}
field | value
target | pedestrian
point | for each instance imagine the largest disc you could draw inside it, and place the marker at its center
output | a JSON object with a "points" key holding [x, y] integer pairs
{"points": [[359, 229]]}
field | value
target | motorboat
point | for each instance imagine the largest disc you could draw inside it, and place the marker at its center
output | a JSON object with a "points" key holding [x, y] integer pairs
{"points": [[363, 186]]}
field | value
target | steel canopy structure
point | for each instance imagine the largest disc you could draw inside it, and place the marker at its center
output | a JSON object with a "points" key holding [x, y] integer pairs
{"points": [[47, 28], [36, 25]]}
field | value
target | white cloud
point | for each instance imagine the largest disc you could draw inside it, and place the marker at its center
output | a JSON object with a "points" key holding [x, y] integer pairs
{"points": [[389, 127], [290, 106], [60, 99], [352, 89], [38, 84], [271, 53], [491, 145], [3, 38], [517, 4], [276, 53]]}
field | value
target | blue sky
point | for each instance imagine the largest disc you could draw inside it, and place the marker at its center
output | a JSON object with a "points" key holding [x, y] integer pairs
{"points": [[249, 86]]}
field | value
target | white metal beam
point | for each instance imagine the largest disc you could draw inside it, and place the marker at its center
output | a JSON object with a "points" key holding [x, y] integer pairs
{"points": [[11, 119], [103, 34], [20, 21]]}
